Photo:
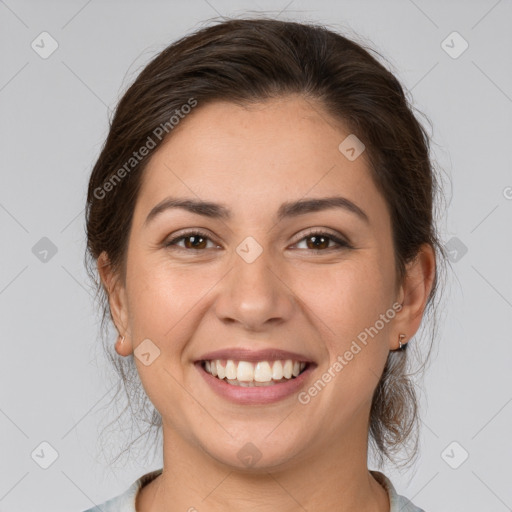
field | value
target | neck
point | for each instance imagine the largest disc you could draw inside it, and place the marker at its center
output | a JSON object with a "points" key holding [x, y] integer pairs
{"points": [[333, 477]]}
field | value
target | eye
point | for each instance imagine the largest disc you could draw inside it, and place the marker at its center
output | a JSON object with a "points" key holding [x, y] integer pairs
{"points": [[198, 241], [320, 241]]}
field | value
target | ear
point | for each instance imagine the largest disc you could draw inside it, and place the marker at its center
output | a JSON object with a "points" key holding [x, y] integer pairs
{"points": [[414, 293], [118, 303]]}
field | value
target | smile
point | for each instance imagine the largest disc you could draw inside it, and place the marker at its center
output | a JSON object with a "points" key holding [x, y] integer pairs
{"points": [[253, 374]]}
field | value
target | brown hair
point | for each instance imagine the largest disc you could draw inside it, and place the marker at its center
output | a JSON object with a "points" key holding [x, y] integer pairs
{"points": [[251, 60]]}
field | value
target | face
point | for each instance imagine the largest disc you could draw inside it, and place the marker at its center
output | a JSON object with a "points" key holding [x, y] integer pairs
{"points": [[251, 278]]}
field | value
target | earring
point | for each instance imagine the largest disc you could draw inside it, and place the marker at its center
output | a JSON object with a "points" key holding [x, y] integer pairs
{"points": [[402, 346]]}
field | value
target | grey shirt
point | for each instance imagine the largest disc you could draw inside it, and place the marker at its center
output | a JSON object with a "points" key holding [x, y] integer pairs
{"points": [[125, 502]]}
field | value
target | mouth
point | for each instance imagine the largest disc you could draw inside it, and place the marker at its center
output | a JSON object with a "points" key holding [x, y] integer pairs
{"points": [[247, 377], [254, 373]]}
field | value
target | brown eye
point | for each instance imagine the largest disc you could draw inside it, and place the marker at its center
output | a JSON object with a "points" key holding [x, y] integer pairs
{"points": [[319, 241], [194, 240]]}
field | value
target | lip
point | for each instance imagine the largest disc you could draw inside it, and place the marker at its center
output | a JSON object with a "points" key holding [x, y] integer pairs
{"points": [[256, 395], [243, 354]]}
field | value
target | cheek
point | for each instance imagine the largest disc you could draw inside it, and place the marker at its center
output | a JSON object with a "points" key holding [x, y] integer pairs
{"points": [[349, 311], [364, 318], [154, 297], [158, 302], [166, 301], [345, 298]]}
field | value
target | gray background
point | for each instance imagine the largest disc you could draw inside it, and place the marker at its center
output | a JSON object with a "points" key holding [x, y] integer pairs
{"points": [[54, 112]]}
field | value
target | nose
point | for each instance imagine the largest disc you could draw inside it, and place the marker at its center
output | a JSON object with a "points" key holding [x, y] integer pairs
{"points": [[254, 295]]}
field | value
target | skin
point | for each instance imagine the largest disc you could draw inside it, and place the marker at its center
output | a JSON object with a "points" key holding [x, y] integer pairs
{"points": [[314, 456]]}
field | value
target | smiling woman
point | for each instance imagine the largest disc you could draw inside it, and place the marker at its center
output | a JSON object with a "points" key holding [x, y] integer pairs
{"points": [[265, 265]]}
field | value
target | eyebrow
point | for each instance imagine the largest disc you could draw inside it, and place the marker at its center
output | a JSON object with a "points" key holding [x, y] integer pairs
{"points": [[286, 210]]}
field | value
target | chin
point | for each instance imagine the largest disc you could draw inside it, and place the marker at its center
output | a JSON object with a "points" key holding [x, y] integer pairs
{"points": [[256, 455]]}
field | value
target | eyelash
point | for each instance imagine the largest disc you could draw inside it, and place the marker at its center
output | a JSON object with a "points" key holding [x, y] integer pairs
{"points": [[342, 244]]}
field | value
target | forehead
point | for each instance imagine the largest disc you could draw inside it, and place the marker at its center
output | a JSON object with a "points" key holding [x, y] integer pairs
{"points": [[257, 156]]}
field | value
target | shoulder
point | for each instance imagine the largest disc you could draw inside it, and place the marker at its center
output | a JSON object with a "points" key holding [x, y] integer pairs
{"points": [[125, 502], [397, 502]]}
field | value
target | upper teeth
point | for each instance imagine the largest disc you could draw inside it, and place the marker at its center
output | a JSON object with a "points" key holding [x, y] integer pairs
{"points": [[261, 371]]}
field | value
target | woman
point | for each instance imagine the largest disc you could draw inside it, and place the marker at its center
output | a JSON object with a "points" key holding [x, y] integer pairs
{"points": [[261, 220]]}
